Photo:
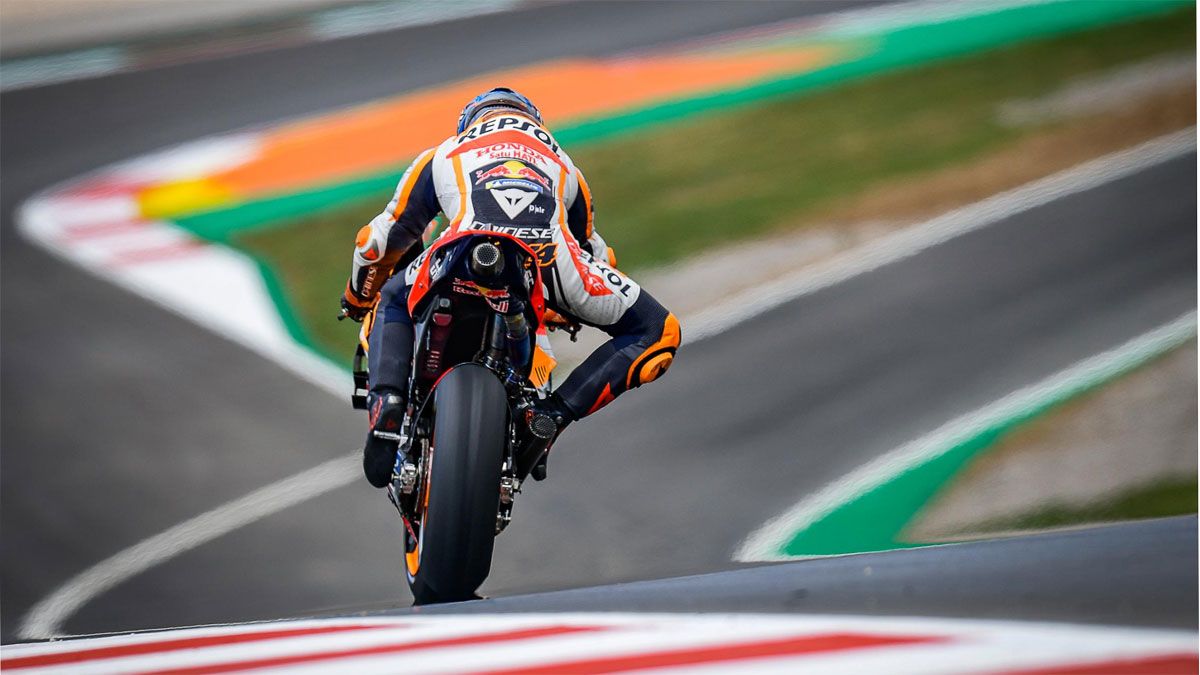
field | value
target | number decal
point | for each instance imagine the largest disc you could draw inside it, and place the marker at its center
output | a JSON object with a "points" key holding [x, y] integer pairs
{"points": [[546, 252]]}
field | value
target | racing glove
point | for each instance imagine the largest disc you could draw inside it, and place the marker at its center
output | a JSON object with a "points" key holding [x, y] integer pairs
{"points": [[353, 306]]}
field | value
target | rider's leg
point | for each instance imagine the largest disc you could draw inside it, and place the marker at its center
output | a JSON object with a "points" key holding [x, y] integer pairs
{"points": [[391, 339], [642, 347], [389, 362], [644, 334]]}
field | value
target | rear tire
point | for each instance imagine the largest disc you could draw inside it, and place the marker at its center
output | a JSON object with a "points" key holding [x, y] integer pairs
{"points": [[458, 530]]}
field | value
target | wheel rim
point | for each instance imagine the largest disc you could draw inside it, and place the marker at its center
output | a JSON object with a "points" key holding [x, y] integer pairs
{"points": [[412, 559]]}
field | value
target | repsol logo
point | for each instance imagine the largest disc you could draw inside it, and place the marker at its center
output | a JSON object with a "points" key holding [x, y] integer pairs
{"points": [[613, 278], [514, 123]]}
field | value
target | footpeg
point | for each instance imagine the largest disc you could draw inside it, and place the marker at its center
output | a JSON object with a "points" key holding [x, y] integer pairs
{"points": [[539, 470], [390, 436], [404, 476]]}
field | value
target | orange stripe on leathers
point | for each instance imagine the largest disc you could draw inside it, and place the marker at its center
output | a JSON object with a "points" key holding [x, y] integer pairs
{"points": [[585, 193], [593, 284], [460, 182], [604, 399], [406, 189]]}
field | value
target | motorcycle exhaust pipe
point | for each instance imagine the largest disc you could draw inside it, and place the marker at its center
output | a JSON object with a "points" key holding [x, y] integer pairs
{"points": [[486, 260], [543, 427]]}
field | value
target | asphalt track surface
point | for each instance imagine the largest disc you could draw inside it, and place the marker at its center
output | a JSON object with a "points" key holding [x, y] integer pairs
{"points": [[1032, 578], [121, 419]]}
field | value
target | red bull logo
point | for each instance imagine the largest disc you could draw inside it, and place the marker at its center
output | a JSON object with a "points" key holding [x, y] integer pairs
{"points": [[468, 287], [512, 170], [497, 298]]}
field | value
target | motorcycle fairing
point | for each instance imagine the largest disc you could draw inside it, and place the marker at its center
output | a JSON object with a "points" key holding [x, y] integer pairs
{"points": [[423, 282]]}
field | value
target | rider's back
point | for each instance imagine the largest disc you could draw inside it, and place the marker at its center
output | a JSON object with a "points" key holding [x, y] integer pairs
{"points": [[506, 173]]}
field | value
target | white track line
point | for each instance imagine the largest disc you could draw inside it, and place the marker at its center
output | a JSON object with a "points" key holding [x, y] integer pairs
{"points": [[47, 617], [912, 240], [124, 54], [769, 541]]}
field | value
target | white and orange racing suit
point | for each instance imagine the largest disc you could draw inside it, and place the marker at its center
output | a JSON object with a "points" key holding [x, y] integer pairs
{"points": [[507, 174]]}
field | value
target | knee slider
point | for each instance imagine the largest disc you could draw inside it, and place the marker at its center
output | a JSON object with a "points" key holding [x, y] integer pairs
{"points": [[657, 357]]}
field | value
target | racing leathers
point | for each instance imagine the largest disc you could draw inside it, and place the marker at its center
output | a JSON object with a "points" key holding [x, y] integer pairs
{"points": [[507, 174]]}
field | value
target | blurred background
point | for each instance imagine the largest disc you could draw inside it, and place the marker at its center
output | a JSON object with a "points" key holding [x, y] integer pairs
{"points": [[963, 232]]}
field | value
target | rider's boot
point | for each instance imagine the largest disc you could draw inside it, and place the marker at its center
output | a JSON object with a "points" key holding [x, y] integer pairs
{"points": [[387, 417], [546, 420]]}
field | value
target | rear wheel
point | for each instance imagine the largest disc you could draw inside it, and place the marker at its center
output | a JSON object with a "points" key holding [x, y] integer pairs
{"points": [[452, 554]]}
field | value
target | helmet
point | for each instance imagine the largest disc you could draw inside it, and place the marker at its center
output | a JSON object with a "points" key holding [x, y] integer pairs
{"points": [[498, 98]]}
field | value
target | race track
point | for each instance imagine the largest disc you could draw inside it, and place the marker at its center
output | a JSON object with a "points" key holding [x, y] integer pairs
{"points": [[121, 419], [1041, 577]]}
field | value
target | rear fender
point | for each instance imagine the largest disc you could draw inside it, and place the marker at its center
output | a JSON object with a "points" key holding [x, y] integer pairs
{"points": [[424, 282]]}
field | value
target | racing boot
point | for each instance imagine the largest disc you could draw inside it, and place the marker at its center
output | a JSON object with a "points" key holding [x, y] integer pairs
{"points": [[546, 420], [386, 421]]}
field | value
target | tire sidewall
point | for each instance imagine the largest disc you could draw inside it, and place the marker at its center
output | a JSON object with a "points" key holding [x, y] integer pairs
{"points": [[459, 524]]}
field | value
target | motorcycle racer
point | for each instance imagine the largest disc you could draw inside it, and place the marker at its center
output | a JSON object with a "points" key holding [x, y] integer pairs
{"points": [[502, 171]]}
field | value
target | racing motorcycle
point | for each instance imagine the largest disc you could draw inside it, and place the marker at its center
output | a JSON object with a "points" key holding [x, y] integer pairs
{"points": [[470, 435]]}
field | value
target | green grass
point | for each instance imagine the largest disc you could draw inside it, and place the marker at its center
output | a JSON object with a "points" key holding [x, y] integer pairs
{"points": [[664, 193], [1172, 497]]}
